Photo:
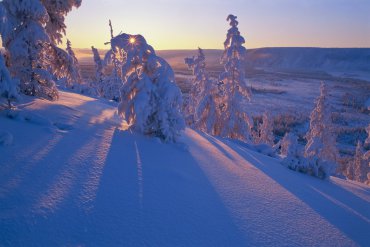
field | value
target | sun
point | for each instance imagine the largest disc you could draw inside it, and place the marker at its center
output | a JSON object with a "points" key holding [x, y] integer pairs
{"points": [[132, 40]]}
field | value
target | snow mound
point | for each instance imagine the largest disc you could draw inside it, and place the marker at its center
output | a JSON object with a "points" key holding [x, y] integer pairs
{"points": [[6, 139]]}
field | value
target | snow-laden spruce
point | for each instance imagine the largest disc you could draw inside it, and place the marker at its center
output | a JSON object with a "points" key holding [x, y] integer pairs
{"points": [[57, 11], [8, 85], [150, 99], [75, 73], [234, 122], [358, 169], [292, 153], [30, 31], [201, 110], [320, 150], [99, 75], [26, 42], [113, 82], [265, 130], [366, 156]]}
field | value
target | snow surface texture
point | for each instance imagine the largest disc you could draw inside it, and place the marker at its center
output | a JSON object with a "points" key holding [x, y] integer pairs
{"points": [[78, 178]]}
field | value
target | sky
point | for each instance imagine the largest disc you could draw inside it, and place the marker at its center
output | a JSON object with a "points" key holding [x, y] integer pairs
{"points": [[187, 24]]}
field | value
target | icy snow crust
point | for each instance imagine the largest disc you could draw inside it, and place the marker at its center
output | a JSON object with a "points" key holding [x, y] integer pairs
{"points": [[74, 176]]}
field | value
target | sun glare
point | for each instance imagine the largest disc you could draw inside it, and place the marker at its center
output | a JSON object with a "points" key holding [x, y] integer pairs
{"points": [[132, 40]]}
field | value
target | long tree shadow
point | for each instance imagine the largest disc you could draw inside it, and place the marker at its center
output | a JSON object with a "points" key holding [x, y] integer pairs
{"points": [[29, 173], [345, 210], [150, 196], [141, 194]]}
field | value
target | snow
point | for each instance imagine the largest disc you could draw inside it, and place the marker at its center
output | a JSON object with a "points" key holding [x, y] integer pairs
{"points": [[80, 178], [6, 138]]}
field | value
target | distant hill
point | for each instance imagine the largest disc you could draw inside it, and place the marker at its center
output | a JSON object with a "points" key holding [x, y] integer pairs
{"points": [[336, 59], [294, 58]]}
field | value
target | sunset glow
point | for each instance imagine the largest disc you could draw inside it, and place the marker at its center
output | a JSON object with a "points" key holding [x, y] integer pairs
{"points": [[132, 40], [188, 24]]}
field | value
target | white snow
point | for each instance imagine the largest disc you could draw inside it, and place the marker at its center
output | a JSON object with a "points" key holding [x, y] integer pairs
{"points": [[84, 180]]}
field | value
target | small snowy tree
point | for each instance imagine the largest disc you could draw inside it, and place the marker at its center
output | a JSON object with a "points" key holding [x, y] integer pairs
{"points": [[198, 66], [265, 131], [99, 75], [292, 153], [8, 85], [113, 82], [360, 166], [320, 149], [234, 122], [150, 99], [367, 154], [75, 73], [201, 108]]}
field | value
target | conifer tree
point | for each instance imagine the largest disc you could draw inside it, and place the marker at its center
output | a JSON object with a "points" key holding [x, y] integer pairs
{"points": [[57, 11], [320, 149], [30, 30], [113, 82], [367, 154], [8, 85], [292, 153], [75, 73], [201, 109], [361, 167], [234, 121], [265, 131], [150, 99], [99, 75], [27, 42]]}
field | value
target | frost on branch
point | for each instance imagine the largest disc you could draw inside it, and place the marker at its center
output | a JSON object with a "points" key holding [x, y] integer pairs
{"points": [[150, 99], [57, 11]]}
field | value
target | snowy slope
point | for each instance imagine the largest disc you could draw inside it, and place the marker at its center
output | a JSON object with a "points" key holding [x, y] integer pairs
{"points": [[75, 177]]}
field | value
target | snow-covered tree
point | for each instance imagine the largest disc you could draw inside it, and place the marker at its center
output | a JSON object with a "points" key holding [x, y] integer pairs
{"points": [[360, 166], [320, 149], [113, 82], [265, 129], [27, 42], [292, 153], [150, 99], [34, 57], [99, 75], [8, 85], [75, 73], [57, 11], [201, 108], [198, 67], [367, 154], [234, 122]]}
